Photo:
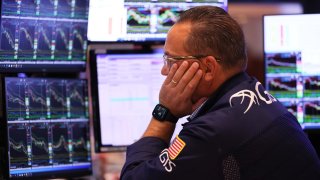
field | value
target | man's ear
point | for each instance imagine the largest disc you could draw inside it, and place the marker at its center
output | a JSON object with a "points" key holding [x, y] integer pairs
{"points": [[210, 68]]}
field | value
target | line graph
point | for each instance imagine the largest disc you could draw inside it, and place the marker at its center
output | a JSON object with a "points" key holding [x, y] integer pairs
{"points": [[168, 16], [79, 37], [282, 62], [9, 7], [48, 8], [60, 143], [26, 39], [26, 48], [62, 39], [15, 98], [40, 146], [45, 98], [79, 40], [179, 0], [7, 36], [283, 87], [65, 8], [138, 16], [312, 112], [138, 20], [18, 146], [312, 82], [311, 86], [29, 7], [291, 107], [61, 156], [7, 41], [77, 95], [44, 39], [81, 9], [48, 142], [80, 142], [42, 34], [56, 90], [280, 84], [36, 96]]}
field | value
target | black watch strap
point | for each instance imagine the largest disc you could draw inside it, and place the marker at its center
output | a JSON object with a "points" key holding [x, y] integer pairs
{"points": [[162, 113]]}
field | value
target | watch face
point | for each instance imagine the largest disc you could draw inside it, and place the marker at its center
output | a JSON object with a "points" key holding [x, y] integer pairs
{"points": [[159, 112]]}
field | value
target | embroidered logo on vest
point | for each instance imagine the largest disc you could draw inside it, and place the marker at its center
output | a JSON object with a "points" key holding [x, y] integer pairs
{"points": [[254, 97], [165, 160]]}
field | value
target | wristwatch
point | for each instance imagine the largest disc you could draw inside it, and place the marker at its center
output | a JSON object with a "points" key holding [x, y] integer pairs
{"points": [[161, 113]]}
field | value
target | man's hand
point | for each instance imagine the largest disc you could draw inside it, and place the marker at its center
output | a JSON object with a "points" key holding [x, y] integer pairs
{"points": [[178, 87]]}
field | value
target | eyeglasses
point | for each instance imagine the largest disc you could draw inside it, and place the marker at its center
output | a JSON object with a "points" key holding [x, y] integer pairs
{"points": [[169, 61]]}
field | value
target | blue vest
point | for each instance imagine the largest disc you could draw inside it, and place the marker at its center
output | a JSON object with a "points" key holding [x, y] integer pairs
{"points": [[241, 132]]}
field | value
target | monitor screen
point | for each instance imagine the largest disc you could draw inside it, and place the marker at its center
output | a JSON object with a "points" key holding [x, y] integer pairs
{"points": [[47, 127], [48, 35], [137, 20], [291, 49], [125, 89]]}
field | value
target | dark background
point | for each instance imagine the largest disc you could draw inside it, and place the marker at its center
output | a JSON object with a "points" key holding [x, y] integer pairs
{"points": [[309, 6]]}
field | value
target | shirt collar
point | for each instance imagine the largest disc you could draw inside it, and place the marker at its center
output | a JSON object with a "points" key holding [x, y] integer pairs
{"points": [[195, 112]]}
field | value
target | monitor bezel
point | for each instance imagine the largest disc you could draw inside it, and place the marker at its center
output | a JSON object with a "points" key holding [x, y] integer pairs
{"points": [[4, 131], [56, 174], [153, 41], [17, 66], [94, 91], [305, 128]]}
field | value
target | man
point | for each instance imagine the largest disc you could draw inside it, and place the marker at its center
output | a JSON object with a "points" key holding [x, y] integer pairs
{"points": [[236, 129]]}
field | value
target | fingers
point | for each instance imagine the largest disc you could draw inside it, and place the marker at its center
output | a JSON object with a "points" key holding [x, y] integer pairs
{"points": [[182, 76], [193, 83], [170, 75], [180, 73], [187, 76], [179, 86]]}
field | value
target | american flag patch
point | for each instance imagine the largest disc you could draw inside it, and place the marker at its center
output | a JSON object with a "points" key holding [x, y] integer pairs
{"points": [[176, 147]]}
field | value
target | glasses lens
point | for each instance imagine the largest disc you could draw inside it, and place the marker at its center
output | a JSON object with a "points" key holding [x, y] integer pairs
{"points": [[165, 61], [169, 61]]}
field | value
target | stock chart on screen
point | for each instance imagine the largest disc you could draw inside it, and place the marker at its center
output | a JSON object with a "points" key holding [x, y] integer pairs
{"points": [[137, 20], [292, 61], [48, 127], [46, 35]]}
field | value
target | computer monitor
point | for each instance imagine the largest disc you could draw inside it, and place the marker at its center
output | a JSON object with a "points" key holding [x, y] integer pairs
{"points": [[292, 73], [125, 88], [46, 35], [47, 128], [137, 20]]}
